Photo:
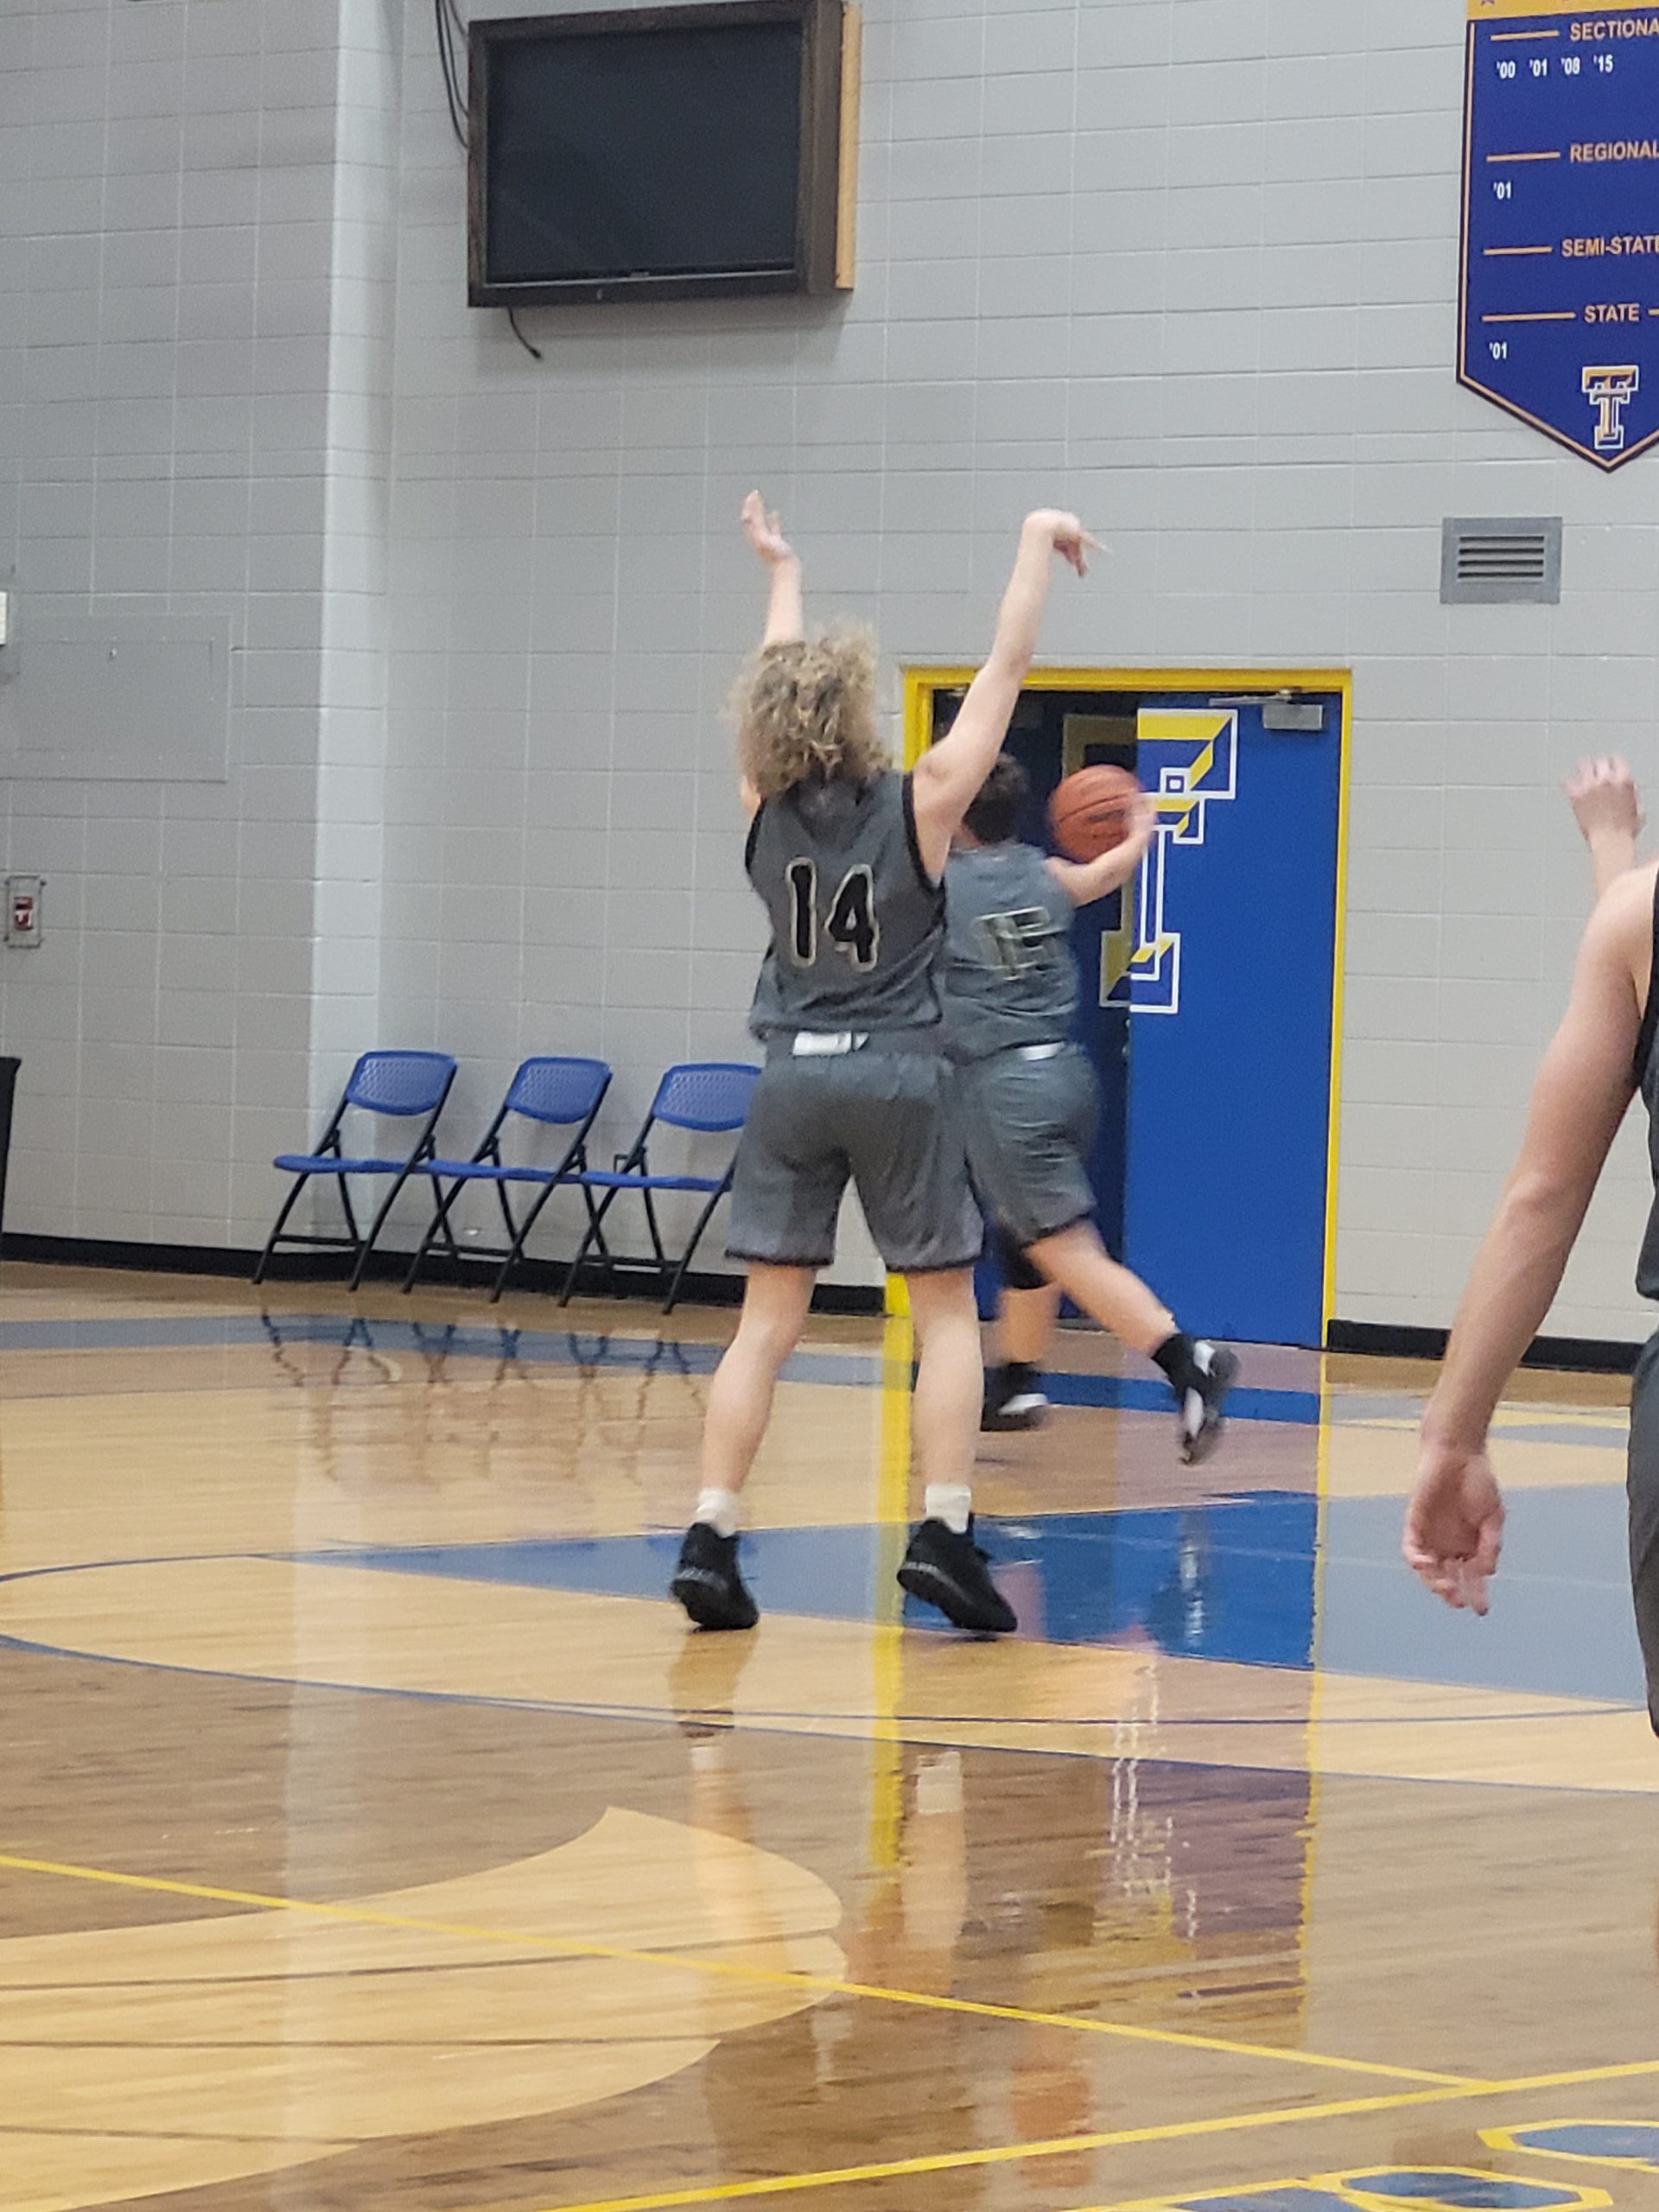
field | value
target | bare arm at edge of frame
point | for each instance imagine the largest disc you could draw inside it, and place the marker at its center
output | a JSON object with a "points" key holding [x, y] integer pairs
{"points": [[1454, 1521], [948, 776]]}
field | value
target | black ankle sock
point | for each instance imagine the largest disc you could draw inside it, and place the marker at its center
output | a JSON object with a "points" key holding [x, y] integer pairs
{"points": [[1178, 1357], [1019, 1379]]}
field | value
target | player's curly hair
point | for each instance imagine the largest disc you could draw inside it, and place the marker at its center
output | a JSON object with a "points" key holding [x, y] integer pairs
{"points": [[805, 712]]}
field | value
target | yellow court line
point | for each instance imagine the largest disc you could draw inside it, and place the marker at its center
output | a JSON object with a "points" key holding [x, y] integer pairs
{"points": [[1069, 2146], [823, 1984], [893, 1494], [1010, 2154]]}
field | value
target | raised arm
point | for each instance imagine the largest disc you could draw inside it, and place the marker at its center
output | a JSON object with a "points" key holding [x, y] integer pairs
{"points": [[1454, 1523], [1084, 881], [950, 773], [785, 606], [1608, 810]]}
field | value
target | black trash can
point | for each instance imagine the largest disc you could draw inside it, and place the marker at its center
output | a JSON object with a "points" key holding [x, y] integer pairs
{"points": [[8, 1093]]}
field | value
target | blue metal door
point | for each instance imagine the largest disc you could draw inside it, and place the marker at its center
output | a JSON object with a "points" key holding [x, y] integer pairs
{"points": [[1226, 965]]}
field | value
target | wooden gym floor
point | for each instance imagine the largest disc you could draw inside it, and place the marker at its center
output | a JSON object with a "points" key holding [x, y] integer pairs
{"points": [[377, 1837]]}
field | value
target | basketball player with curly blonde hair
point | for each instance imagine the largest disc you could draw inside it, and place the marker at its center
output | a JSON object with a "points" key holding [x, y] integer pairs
{"points": [[848, 856]]}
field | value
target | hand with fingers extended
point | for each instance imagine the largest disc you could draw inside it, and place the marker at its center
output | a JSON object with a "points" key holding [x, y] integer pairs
{"points": [[1454, 1524], [1605, 798], [764, 528], [1066, 535]]}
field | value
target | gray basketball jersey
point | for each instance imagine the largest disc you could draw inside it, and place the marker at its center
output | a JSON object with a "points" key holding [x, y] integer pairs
{"points": [[857, 923], [1008, 976]]}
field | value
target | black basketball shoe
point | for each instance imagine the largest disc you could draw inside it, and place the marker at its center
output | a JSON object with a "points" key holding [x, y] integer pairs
{"points": [[1013, 1399], [1204, 1401], [708, 1584], [949, 1571]]}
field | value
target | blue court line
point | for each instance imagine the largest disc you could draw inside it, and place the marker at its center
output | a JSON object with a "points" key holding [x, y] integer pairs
{"points": [[573, 1348], [534, 1558]]}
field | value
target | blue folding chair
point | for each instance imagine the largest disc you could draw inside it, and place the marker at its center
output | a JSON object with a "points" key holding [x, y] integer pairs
{"points": [[562, 1094], [404, 1085], [704, 1096]]}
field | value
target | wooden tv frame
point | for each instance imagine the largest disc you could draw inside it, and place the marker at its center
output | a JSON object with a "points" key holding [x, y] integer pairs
{"points": [[823, 247]]}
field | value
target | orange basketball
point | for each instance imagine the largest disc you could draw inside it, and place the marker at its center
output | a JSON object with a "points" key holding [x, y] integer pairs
{"points": [[1092, 811]]}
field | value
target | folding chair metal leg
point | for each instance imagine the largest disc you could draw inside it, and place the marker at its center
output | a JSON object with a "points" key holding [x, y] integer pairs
{"points": [[703, 1219], [439, 1222], [449, 1239], [350, 1211], [520, 1238], [656, 1238], [271, 1242], [595, 1235], [367, 1244], [506, 1212], [594, 1219]]}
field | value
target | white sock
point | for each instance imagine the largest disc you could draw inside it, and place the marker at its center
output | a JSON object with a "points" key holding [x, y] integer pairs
{"points": [[951, 1503], [721, 1509]]}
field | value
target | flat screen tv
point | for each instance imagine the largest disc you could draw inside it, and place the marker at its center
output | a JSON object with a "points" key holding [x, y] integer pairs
{"points": [[655, 151]]}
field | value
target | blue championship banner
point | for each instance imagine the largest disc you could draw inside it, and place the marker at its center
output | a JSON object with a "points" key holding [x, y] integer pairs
{"points": [[1560, 220]]}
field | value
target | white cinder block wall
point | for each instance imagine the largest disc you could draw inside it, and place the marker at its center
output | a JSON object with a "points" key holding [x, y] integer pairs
{"points": [[1189, 264]]}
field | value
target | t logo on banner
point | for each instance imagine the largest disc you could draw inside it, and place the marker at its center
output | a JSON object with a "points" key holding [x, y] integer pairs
{"points": [[1610, 392]]}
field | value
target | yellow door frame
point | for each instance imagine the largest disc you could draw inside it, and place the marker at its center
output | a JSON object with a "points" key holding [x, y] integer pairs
{"points": [[921, 682]]}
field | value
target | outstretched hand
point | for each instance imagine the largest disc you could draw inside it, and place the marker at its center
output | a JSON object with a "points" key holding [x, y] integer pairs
{"points": [[1067, 536], [1454, 1525], [1605, 798], [764, 528]]}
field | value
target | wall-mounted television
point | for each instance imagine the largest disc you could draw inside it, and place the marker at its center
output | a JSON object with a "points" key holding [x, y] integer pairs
{"points": [[666, 152]]}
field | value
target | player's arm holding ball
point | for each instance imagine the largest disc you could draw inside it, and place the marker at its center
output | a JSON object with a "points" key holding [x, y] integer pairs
{"points": [[786, 604], [948, 777], [1084, 882]]}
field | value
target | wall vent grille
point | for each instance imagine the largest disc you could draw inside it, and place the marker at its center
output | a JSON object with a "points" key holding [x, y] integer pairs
{"points": [[1501, 560]]}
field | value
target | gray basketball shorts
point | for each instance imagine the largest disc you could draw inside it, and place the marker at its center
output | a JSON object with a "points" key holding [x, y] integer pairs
{"points": [[884, 1121], [1029, 1123], [1643, 1494]]}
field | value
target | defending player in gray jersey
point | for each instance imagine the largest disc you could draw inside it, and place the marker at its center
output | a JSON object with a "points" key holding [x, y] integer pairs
{"points": [[1030, 1102], [848, 859]]}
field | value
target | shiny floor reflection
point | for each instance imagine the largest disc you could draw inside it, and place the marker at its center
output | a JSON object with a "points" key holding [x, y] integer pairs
{"points": [[378, 1835]]}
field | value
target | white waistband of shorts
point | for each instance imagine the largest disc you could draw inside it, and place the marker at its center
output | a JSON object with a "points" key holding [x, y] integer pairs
{"points": [[1041, 1052], [826, 1044], [838, 1044]]}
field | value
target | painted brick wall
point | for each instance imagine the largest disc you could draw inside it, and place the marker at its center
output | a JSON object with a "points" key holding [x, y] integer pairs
{"points": [[1189, 264]]}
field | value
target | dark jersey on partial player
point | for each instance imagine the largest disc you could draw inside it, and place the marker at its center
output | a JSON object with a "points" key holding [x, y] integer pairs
{"points": [[1647, 1082], [1008, 977], [857, 923]]}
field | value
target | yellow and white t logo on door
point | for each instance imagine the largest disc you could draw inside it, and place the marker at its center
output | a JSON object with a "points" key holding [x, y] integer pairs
{"points": [[1192, 755]]}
